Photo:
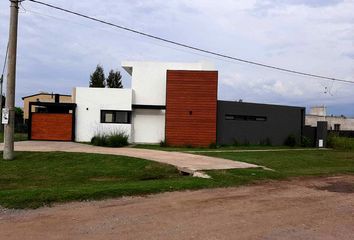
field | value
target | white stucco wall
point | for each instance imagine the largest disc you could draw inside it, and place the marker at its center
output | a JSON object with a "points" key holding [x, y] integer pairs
{"points": [[90, 102], [148, 126], [318, 111], [149, 79], [345, 123]]}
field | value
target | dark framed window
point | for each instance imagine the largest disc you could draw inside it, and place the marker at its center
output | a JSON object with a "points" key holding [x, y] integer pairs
{"points": [[115, 116], [245, 118]]}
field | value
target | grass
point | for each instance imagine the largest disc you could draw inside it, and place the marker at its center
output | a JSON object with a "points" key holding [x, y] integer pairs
{"points": [[18, 136], [187, 149], [341, 143], [297, 163], [37, 179]]}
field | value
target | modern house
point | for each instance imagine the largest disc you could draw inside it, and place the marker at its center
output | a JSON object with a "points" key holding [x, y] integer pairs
{"points": [[141, 111], [172, 102], [336, 123]]}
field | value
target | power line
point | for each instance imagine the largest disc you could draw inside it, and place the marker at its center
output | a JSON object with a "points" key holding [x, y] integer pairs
{"points": [[130, 37], [5, 60], [191, 47]]}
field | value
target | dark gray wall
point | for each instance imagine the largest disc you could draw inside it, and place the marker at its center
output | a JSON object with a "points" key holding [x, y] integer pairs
{"points": [[321, 133], [280, 123], [310, 133]]}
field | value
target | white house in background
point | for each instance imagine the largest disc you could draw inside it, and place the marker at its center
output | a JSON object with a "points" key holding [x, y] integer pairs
{"points": [[337, 123], [139, 111]]}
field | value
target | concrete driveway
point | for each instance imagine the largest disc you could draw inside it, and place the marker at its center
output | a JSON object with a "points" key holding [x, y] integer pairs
{"points": [[184, 161]]}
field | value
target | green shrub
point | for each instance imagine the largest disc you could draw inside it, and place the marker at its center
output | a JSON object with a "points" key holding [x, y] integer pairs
{"points": [[99, 140], [341, 143], [290, 141], [306, 142], [235, 143], [114, 139], [118, 140], [331, 139]]}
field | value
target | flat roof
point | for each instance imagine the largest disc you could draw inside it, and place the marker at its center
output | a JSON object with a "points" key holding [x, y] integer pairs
{"points": [[52, 104], [264, 104], [52, 94]]}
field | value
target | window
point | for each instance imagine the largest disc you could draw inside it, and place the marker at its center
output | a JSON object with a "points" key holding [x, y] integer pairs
{"points": [[336, 127], [40, 109], [112, 116], [245, 118]]}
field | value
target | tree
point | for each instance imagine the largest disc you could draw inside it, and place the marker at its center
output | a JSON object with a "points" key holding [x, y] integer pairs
{"points": [[97, 78], [114, 79]]}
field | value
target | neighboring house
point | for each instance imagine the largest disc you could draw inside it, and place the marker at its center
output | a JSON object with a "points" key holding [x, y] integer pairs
{"points": [[172, 102], [337, 123], [42, 97]]}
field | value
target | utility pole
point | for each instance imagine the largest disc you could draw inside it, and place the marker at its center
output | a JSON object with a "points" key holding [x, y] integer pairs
{"points": [[1, 85], [11, 80]]}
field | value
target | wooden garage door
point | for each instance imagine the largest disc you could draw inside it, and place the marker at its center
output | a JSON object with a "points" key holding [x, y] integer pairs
{"points": [[52, 126]]}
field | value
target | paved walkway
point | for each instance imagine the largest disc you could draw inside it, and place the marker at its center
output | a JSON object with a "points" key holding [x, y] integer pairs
{"points": [[183, 161]]}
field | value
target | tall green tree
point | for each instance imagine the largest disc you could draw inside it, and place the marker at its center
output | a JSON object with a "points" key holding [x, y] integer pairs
{"points": [[97, 78], [114, 79]]}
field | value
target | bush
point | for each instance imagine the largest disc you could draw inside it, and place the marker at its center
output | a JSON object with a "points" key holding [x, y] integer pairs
{"points": [[118, 140], [99, 140], [331, 139], [342, 143], [235, 143], [114, 139], [290, 141], [306, 142]]}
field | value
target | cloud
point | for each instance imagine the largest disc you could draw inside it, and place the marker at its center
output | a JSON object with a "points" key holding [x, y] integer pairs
{"points": [[58, 51]]}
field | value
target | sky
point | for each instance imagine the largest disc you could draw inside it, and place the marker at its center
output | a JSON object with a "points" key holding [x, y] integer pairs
{"points": [[57, 51]]}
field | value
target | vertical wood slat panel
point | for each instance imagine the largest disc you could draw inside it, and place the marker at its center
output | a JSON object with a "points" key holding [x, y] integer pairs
{"points": [[191, 107]]}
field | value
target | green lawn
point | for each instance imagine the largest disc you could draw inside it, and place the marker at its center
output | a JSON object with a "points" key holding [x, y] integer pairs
{"points": [[297, 163], [18, 136], [188, 149], [36, 179]]}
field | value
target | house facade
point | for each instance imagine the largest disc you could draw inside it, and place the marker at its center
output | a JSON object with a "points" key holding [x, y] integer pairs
{"points": [[172, 102], [336, 123], [42, 97], [140, 111]]}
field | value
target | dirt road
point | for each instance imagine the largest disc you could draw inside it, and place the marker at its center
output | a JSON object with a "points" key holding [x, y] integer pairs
{"points": [[321, 208]]}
